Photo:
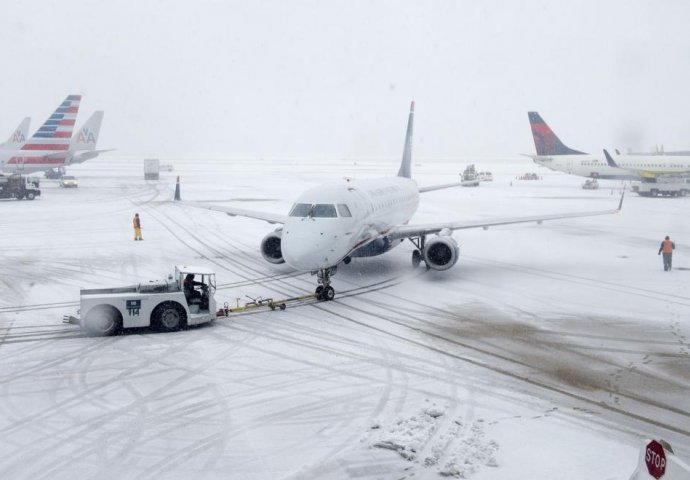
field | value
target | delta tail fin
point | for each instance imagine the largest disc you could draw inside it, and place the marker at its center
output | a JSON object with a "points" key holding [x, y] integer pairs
{"points": [[406, 164], [87, 137], [545, 141], [18, 137], [56, 132]]}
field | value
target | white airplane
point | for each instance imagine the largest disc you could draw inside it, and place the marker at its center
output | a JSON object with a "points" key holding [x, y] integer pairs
{"points": [[553, 154], [650, 166], [331, 224], [18, 137], [52, 145]]}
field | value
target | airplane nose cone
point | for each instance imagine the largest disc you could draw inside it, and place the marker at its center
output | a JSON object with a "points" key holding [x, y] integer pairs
{"points": [[310, 248]]}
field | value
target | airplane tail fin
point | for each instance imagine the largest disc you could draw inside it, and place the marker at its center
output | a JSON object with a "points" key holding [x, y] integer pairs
{"points": [[56, 132], [87, 137], [406, 164], [18, 137], [545, 141]]}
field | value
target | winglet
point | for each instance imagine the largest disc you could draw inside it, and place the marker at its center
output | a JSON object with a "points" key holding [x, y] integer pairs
{"points": [[609, 159], [406, 164], [545, 141], [177, 190]]}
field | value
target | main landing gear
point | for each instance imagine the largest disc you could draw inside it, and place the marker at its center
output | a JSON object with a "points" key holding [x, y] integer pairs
{"points": [[324, 291], [418, 254]]}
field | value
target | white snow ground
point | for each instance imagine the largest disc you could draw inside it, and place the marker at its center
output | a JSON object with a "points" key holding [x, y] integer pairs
{"points": [[547, 352]]}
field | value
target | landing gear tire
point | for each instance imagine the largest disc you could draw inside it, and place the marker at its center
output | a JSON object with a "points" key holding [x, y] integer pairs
{"points": [[416, 258], [328, 293], [319, 291], [168, 317], [102, 321]]}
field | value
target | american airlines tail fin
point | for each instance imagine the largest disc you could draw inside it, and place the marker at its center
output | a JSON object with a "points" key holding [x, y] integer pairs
{"points": [[87, 137], [56, 132], [406, 164], [18, 137], [545, 141]]}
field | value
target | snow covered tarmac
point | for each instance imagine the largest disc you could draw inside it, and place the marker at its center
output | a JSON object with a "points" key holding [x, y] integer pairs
{"points": [[547, 351]]}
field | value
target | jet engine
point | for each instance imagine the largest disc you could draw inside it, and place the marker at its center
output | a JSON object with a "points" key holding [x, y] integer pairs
{"points": [[441, 252], [270, 247]]}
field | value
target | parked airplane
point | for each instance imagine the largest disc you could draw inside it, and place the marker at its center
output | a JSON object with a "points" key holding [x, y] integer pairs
{"points": [[553, 154], [52, 145], [331, 224], [18, 137], [650, 166], [83, 144]]}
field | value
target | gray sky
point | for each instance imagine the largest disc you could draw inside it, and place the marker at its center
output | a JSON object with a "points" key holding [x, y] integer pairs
{"points": [[280, 78]]}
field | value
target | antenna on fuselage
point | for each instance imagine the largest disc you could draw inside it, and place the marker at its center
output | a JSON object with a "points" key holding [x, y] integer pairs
{"points": [[406, 164]]}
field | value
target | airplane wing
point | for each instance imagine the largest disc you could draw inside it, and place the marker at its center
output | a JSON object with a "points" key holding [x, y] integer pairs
{"points": [[406, 231], [239, 212], [431, 188]]}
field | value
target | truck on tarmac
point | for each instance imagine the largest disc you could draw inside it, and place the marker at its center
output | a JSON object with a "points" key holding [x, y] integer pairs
{"points": [[672, 186], [152, 168], [163, 304], [19, 187]]}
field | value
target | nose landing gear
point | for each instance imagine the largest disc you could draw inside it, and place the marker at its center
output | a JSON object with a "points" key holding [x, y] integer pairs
{"points": [[324, 291]]}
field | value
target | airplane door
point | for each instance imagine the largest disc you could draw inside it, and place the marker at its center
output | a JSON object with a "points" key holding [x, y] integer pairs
{"points": [[20, 164], [569, 165]]}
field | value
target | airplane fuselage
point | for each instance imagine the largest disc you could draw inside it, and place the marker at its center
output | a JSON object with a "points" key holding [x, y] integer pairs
{"points": [[596, 166], [350, 219], [23, 161]]}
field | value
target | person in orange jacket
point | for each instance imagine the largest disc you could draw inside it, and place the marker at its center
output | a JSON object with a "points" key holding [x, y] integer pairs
{"points": [[136, 223], [667, 247]]}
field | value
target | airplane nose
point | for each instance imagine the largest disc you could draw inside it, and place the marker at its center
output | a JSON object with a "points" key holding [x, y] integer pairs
{"points": [[311, 250]]}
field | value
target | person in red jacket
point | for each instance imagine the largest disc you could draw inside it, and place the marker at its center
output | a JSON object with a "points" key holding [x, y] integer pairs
{"points": [[667, 247], [136, 223]]}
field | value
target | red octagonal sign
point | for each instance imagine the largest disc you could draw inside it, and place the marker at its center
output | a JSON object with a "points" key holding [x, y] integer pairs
{"points": [[655, 458]]}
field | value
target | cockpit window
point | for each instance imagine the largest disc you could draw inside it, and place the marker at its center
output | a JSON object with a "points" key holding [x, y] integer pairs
{"points": [[318, 210], [323, 210], [343, 210], [300, 210]]}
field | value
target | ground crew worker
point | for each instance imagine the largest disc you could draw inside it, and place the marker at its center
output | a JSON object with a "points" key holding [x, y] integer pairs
{"points": [[667, 247], [136, 223]]}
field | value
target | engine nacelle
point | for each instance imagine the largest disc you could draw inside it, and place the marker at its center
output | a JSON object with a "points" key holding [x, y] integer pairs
{"points": [[441, 252], [270, 247]]}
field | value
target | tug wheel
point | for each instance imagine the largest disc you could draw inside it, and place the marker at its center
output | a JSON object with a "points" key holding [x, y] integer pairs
{"points": [[102, 320], [169, 317]]}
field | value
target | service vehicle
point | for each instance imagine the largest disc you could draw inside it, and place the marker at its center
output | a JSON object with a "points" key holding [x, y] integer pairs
{"points": [[19, 187], [663, 186], [469, 177], [590, 184], [486, 177], [152, 167], [68, 181], [162, 304]]}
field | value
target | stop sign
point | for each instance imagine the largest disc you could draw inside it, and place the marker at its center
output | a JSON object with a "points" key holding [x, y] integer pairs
{"points": [[655, 458]]}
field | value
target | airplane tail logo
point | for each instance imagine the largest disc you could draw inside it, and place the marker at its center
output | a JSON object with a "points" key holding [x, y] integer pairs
{"points": [[56, 132], [87, 137], [545, 141], [18, 137]]}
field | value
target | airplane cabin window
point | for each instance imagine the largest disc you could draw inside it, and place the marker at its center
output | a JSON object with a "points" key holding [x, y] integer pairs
{"points": [[300, 210], [343, 210], [323, 210]]}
